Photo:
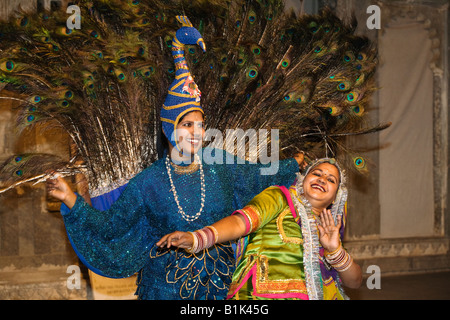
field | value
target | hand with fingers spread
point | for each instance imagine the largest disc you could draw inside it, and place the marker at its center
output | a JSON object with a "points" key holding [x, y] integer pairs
{"points": [[329, 236], [178, 239]]}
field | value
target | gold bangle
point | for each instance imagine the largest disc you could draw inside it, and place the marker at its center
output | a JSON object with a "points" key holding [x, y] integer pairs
{"points": [[194, 243], [216, 234], [345, 266], [327, 253]]}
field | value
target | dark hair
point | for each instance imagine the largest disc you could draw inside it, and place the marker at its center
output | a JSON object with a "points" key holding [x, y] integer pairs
{"points": [[181, 119], [162, 143]]}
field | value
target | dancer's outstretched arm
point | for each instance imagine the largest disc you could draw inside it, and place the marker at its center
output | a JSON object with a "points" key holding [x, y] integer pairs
{"points": [[230, 228]]}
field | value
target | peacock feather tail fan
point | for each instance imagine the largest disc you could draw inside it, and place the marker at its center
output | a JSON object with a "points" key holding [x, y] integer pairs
{"points": [[99, 83], [308, 76]]}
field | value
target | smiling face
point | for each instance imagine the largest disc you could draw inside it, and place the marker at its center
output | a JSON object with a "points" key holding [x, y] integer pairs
{"points": [[190, 132], [321, 184]]}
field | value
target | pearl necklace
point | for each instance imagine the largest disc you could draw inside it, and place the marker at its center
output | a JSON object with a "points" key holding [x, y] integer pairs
{"points": [[184, 215]]}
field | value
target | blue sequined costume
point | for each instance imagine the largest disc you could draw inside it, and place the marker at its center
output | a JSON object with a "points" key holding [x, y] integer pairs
{"points": [[120, 241]]}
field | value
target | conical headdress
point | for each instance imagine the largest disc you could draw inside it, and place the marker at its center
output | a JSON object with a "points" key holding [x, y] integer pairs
{"points": [[183, 95]]}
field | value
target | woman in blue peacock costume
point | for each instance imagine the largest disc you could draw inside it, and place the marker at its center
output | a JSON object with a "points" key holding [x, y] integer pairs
{"points": [[174, 192], [309, 77]]}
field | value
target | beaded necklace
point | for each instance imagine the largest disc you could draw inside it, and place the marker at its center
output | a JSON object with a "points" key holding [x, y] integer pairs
{"points": [[183, 214]]}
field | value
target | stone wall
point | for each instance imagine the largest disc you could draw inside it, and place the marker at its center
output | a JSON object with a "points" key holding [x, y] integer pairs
{"points": [[34, 250]]}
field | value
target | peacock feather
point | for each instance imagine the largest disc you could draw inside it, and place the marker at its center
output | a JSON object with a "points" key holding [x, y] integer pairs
{"points": [[309, 76]]}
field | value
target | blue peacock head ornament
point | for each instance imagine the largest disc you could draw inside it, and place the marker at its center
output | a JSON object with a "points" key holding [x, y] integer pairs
{"points": [[183, 94]]}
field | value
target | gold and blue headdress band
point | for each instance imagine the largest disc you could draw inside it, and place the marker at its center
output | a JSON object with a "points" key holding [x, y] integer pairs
{"points": [[183, 94]]}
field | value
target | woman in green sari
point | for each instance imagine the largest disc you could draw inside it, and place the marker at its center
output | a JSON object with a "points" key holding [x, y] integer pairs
{"points": [[290, 240]]}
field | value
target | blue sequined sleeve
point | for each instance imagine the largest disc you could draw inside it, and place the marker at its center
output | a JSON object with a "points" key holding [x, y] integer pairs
{"points": [[116, 241]]}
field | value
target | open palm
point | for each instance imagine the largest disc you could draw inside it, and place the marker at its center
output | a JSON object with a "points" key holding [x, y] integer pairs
{"points": [[329, 236]]}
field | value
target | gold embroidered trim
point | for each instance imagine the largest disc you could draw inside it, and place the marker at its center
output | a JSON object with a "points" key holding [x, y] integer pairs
{"points": [[266, 286], [263, 274], [249, 265], [281, 232], [263, 284], [282, 286]]}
